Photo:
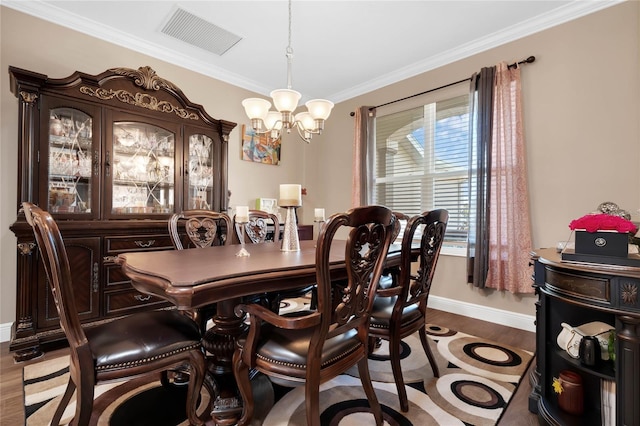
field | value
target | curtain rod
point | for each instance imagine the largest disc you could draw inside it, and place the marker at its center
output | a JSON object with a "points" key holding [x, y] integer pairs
{"points": [[529, 60]]}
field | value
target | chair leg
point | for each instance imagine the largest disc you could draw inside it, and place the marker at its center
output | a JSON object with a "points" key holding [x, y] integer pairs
{"points": [[427, 350], [312, 400], [196, 378], [84, 400], [241, 373], [365, 378], [64, 402], [394, 357]]}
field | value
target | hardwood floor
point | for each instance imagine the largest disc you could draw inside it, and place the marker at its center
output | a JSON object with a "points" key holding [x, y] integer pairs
{"points": [[12, 398]]}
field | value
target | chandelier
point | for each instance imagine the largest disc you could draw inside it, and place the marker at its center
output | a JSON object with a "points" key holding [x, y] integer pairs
{"points": [[272, 123]]}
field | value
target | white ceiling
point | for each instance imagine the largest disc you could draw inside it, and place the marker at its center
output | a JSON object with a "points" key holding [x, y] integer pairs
{"points": [[341, 48]]}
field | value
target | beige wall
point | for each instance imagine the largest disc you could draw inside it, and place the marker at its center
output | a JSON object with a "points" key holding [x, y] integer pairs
{"points": [[582, 112], [582, 118]]}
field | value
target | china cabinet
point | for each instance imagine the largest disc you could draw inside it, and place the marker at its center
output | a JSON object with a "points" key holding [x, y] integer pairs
{"points": [[111, 156], [577, 293]]}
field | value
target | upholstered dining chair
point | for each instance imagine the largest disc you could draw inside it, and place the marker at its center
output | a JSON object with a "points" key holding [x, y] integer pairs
{"points": [[256, 229], [256, 232], [203, 228], [137, 344], [399, 310], [309, 348]]}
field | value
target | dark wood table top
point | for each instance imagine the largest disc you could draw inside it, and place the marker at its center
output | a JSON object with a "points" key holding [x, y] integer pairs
{"points": [[198, 277]]}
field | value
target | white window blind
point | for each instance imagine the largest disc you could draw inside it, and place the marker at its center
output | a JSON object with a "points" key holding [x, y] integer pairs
{"points": [[422, 162]]}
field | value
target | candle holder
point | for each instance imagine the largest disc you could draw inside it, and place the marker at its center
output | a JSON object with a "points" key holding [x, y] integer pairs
{"points": [[290, 240], [243, 251]]}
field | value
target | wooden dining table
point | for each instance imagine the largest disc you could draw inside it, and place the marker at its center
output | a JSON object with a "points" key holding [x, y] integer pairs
{"points": [[200, 278]]}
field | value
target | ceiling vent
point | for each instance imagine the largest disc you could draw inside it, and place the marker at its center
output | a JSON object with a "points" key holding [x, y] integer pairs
{"points": [[191, 29]]}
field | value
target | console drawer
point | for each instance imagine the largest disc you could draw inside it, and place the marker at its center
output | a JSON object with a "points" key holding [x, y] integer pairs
{"points": [[597, 289]]}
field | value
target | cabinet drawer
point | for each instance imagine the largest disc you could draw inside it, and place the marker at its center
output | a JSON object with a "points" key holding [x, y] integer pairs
{"points": [[128, 301], [115, 245], [596, 289]]}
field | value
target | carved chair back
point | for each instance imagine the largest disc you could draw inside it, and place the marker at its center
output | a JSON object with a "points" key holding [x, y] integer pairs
{"points": [[256, 230], [204, 228]]}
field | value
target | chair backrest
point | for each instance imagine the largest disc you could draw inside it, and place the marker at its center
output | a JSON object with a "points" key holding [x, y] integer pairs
{"points": [[204, 228], [256, 230], [397, 227], [56, 265], [346, 305], [416, 287]]}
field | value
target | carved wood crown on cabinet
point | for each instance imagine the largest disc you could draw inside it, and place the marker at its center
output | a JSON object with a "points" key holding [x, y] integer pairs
{"points": [[111, 156]]}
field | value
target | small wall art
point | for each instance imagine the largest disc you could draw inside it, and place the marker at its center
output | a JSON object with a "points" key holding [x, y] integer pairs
{"points": [[259, 148]]}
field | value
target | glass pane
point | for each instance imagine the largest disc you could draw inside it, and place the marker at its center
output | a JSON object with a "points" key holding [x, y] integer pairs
{"points": [[70, 161], [143, 169], [422, 161], [200, 192]]}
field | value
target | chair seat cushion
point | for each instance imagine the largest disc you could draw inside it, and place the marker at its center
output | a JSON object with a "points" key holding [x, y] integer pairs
{"points": [[141, 338], [290, 347], [383, 308]]}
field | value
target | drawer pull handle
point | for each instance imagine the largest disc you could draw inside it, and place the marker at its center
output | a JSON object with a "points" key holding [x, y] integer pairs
{"points": [[141, 298], [142, 244]]}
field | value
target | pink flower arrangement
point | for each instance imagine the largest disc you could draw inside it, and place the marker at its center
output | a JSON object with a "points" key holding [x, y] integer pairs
{"points": [[603, 222]]}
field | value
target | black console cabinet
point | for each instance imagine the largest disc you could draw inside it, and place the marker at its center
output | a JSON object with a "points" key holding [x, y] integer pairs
{"points": [[578, 293]]}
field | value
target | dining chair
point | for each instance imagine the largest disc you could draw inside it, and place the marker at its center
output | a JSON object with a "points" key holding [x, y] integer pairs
{"points": [[309, 348], [141, 343], [256, 232], [203, 228], [257, 228], [400, 309]]}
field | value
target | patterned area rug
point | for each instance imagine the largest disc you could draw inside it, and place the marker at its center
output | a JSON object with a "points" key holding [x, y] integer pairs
{"points": [[478, 378]]}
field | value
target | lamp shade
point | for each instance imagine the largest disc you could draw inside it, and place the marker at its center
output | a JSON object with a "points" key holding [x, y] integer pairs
{"points": [[273, 121], [320, 109], [285, 100], [256, 108], [308, 123]]}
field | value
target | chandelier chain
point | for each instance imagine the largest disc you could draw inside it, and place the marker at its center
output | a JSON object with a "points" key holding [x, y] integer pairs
{"points": [[289, 53]]}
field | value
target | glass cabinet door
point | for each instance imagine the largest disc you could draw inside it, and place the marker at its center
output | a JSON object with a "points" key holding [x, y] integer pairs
{"points": [[200, 172], [71, 161], [142, 168]]}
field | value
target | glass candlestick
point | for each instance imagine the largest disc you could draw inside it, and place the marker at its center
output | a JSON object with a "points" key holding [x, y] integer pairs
{"points": [[290, 240], [243, 251]]}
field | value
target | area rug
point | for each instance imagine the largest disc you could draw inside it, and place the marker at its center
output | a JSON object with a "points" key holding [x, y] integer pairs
{"points": [[477, 379]]}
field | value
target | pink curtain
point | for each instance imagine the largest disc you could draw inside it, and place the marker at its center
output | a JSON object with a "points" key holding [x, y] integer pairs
{"points": [[509, 223]]}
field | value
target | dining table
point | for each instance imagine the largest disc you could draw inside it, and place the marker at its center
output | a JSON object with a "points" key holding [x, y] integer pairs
{"points": [[200, 278]]}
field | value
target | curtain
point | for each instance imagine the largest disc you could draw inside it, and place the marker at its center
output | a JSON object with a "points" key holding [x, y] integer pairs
{"points": [[502, 244], [510, 227], [362, 161], [479, 174]]}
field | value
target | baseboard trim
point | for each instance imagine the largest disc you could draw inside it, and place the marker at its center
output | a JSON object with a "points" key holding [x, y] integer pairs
{"points": [[497, 316], [5, 332]]}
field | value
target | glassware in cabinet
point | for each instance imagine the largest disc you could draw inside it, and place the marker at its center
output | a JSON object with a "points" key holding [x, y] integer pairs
{"points": [[71, 161], [143, 168]]}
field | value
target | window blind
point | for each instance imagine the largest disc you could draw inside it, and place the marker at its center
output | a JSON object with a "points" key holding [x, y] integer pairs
{"points": [[422, 162]]}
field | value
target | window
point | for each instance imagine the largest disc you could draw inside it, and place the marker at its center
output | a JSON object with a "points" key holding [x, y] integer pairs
{"points": [[422, 163]]}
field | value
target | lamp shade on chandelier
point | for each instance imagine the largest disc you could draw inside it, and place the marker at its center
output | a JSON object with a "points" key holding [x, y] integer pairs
{"points": [[285, 101]]}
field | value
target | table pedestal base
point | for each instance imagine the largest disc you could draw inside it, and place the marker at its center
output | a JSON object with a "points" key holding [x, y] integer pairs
{"points": [[220, 342]]}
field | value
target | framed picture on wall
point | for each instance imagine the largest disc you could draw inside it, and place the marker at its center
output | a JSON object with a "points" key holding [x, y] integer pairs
{"points": [[259, 148]]}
